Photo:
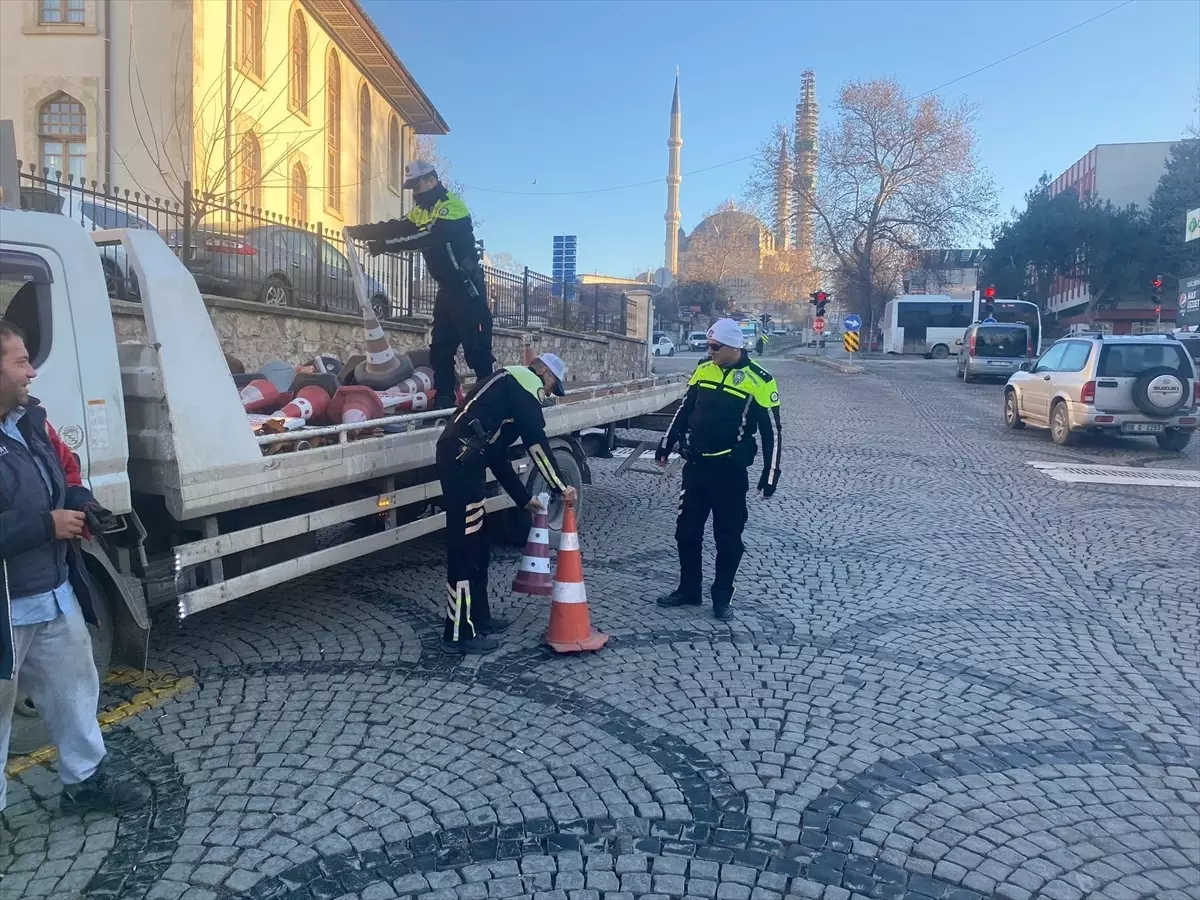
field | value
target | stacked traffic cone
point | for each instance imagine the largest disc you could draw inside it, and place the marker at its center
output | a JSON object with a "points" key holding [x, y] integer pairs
{"points": [[570, 629], [382, 368], [260, 396], [534, 578], [354, 403], [311, 397]]}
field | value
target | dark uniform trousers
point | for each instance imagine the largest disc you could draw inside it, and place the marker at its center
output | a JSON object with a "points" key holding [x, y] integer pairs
{"points": [[459, 318], [718, 486], [467, 554]]}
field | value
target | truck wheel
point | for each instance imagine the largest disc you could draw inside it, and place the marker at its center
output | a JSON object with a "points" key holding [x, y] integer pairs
{"points": [[28, 730], [514, 524]]}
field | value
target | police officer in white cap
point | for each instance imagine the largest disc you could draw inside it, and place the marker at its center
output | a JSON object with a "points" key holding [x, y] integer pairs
{"points": [[503, 407], [729, 399], [439, 225]]}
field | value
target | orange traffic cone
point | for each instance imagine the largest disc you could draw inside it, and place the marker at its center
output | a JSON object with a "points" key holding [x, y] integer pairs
{"points": [[355, 403], [570, 629], [312, 396], [260, 395], [534, 578]]}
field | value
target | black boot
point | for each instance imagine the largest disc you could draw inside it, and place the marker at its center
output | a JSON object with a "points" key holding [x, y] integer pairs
{"points": [[680, 597], [466, 646], [722, 601], [493, 625], [103, 793]]}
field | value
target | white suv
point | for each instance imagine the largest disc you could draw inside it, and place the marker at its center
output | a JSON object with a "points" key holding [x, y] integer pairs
{"points": [[1131, 385]]}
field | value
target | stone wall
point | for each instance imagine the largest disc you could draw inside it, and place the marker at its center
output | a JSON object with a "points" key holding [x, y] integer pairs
{"points": [[255, 334]]}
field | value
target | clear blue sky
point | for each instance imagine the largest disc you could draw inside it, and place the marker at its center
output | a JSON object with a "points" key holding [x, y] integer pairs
{"points": [[575, 95]]}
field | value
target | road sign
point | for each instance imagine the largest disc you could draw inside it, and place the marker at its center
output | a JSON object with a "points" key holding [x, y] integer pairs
{"points": [[990, 320], [818, 325], [853, 323], [1191, 228], [850, 341]]}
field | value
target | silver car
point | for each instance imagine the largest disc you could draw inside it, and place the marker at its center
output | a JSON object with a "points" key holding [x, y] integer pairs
{"points": [[1131, 385], [992, 350]]}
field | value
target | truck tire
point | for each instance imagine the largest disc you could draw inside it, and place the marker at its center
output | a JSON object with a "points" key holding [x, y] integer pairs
{"points": [[513, 524], [28, 730]]}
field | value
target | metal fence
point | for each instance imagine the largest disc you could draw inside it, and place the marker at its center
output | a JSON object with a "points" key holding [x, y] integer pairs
{"points": [[240, 251]]}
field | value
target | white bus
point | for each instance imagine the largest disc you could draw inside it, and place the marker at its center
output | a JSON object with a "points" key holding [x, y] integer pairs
{"points": [[929, 324]]}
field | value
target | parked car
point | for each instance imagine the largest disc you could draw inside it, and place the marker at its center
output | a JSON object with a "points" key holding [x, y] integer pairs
{"points": [[1131, 385], [698, 340], [992, 351], [277, 265], [663, 345]]}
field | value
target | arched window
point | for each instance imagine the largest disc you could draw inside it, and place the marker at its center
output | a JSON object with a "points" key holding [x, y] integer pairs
{"points": [[364, 154], [298, 83], [249, 182], [333, 132], [298, 194], [62, 136], [250, 37], [394, 154]]}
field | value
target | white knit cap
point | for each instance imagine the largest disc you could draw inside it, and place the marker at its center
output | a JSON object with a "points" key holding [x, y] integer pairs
{"points": [[727, 332]]}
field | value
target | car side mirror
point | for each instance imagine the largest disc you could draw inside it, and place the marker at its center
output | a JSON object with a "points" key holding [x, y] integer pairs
{"points": [[1026, 367], [958, 343]]}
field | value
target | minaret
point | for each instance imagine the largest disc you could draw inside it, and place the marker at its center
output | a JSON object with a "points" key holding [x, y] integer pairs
{"points": [[783, 197], [671, 262], [806, 161]]}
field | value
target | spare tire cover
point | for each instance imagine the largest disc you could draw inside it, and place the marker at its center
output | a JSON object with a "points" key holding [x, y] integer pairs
{"points": [[1160, 392]]}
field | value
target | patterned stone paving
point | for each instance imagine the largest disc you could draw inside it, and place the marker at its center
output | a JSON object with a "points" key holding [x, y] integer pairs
{"points": [[948, 677]]}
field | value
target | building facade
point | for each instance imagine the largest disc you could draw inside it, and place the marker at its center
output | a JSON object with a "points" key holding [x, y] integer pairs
{"points": [[295, 108], [954, 273], [1120, 174]]}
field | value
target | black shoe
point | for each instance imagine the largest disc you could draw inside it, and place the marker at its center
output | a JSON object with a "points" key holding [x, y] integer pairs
{"points": [[477, 644], [721, 603], [492, 626], [103, 793], [679, 597], [444, 401]]}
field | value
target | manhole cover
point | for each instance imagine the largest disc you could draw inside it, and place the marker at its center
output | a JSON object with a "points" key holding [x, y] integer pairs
{"points": [[1080, 474]]}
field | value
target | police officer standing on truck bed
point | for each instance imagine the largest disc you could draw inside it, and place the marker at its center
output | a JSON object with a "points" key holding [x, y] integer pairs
{"points": [[502, 407], [728, 399], [439, 225]]}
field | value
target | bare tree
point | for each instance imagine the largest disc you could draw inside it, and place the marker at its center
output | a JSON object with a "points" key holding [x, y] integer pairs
{"points": [[896, 174]]}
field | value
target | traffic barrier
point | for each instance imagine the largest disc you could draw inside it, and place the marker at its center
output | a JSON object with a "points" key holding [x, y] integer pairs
{"points": [[570, 629], [534, 576]]}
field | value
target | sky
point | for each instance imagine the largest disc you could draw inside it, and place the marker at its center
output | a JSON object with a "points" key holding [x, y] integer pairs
{"points": [[551, 105]]}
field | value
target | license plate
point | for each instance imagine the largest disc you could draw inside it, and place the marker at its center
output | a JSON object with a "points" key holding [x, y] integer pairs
{"points": [[994, 362], [1142, 428]]}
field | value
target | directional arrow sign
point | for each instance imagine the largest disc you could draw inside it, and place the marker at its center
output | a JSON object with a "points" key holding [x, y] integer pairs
{"points": [[853, 323]]}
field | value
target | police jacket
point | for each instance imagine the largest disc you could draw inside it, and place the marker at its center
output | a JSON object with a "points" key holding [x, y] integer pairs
{"points": [[721, 412], [506, 405], [33, 561], [438, 225]]}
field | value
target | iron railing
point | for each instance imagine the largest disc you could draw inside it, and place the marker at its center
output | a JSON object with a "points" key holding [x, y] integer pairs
{"points": [[237, 250]]}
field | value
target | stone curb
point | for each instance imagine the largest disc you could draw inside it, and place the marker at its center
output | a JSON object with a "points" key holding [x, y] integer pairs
{"points": [[842, 368]]}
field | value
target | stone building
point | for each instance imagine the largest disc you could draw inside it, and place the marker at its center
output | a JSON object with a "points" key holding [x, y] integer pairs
{"points": [[299, 108]]}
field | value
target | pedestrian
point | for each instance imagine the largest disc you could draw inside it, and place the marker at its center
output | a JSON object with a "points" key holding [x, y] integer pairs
{"points": [[501, 408], [47, 592], [439, 225], [729, 398]]}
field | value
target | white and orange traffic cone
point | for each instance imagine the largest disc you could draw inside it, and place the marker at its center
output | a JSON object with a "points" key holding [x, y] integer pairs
{"points": [[311, 397], [355, 403], [570, 629], [534, 577], [260, 395]]}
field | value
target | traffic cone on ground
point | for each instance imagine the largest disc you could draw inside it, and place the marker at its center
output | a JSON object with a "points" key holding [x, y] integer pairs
{"points": [[312, 395], [534, 578], [355, 403], [570, 629]]}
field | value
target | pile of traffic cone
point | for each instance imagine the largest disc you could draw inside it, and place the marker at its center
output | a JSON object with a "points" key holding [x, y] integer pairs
{"points": [[534, 577], [355, 403], [570, 629], [260, 395], [309, 405], [383, 367]]}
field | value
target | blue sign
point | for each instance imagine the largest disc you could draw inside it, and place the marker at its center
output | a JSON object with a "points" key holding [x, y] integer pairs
{"points": [[990, 320], [853, 323]]}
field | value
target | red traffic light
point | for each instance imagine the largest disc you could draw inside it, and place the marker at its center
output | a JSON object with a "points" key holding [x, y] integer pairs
{"points": [[989, 292], [822, 296], [1157, 310], [1157, 282]]}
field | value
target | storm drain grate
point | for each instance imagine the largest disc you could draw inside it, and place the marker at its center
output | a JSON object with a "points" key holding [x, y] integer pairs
{"points": [[1079, 474]]}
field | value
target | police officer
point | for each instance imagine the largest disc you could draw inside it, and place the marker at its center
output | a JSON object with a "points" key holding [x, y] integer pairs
{"points": [[729, 398], [439, 225], [502, 407]]}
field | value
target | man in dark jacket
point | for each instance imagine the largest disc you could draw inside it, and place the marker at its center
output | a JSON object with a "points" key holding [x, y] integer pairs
{"points": [[47, 594], [503, 407], [439, 225]]}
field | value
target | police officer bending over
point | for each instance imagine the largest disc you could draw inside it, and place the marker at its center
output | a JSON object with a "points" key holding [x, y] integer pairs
{"points": [[728, 399], [439, 225], [504, 406]]}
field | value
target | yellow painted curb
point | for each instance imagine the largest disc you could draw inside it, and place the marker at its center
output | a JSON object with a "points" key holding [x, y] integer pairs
{"points": [[156, 689]]}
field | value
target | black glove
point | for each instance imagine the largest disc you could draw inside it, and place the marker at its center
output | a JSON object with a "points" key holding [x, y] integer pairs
{"points": [[767, 489], [99, 519], [376, 248]]}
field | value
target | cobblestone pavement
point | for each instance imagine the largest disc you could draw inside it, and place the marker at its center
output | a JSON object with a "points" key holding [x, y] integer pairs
{"points": [[949, 677]]}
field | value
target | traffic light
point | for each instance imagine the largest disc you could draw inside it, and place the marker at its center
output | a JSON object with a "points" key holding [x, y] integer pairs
{"points": [[819, 299], [765, 319], [989, 300], [1156, 289]]}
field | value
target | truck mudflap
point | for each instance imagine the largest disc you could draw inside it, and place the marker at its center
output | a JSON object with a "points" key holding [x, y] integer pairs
{"points": [[130, 617]]}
